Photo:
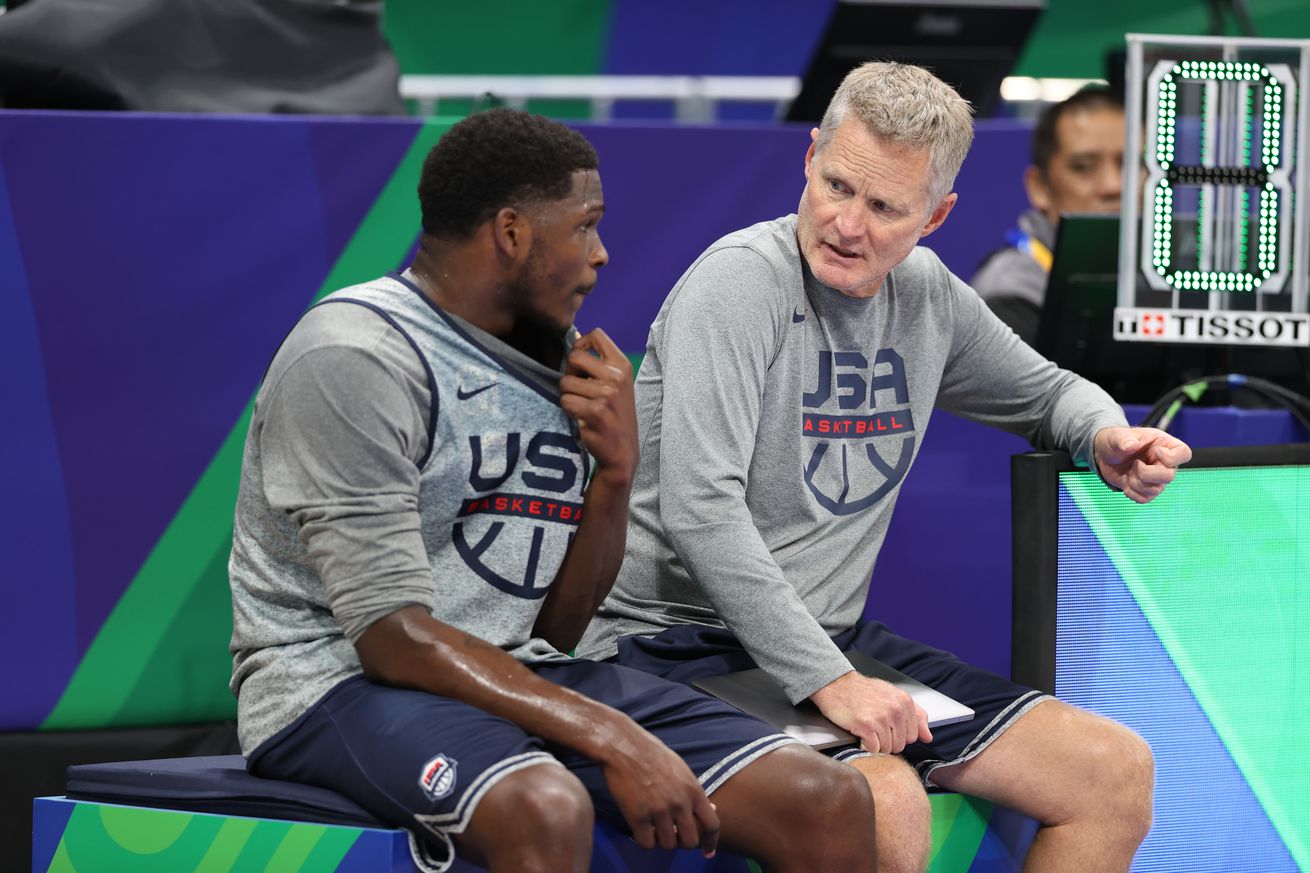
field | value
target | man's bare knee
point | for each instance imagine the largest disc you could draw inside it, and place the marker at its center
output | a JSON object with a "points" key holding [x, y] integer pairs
{"points": [[794, 809], [1126, 781], [833, 799], [830, 789], [537, 818], [904, 813], [545, 798]]}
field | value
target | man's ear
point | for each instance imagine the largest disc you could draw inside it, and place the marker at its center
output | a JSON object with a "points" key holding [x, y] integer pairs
{"points": [[809, 153], [1039, 192], [511, 233], [939, 214]]}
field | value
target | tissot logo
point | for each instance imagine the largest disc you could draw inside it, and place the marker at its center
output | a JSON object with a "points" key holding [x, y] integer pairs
{"points": [[846, 471], [1212, 326], [551, 463]]}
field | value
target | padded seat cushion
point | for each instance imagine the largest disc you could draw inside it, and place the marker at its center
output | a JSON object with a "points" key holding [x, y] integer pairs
{"points": [[217, 785]]}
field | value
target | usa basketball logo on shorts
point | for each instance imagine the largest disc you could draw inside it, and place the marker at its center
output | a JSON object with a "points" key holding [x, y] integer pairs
{"points": [[438, 777]]}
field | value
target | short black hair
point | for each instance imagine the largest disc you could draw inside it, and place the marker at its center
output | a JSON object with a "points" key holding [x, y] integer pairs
{"points": [[1045, 140], [493, 159]]}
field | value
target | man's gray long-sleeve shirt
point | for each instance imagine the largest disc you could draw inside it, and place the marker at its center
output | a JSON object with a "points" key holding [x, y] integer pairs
{"points": [[778, 419]]}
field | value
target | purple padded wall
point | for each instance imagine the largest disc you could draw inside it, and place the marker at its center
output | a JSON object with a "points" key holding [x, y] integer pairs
{"points": [[151, 264]]}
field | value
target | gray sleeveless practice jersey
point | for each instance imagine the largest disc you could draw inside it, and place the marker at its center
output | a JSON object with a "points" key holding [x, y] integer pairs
{"points": [[396, 456]]}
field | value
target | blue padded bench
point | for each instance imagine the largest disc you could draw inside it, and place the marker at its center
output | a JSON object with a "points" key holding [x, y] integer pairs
{"points": [[189, 815]]}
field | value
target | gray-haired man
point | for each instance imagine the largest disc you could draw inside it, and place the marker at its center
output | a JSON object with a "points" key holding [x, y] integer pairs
{"points": [[787, 383]]}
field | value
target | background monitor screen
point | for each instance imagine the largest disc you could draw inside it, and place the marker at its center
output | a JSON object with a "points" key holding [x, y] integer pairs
{"points": [[972, 44], [1076, 328], [1187, 619]]}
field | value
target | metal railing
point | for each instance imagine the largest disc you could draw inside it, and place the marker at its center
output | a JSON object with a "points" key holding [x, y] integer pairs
{"points": [[695, 98]]}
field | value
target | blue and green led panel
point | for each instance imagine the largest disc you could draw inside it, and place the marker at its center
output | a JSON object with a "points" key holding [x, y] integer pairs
{"points": [[1188, 619], [69, 836]]}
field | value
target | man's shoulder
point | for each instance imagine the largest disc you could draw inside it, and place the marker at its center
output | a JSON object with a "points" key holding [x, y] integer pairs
{"points": [[921, 267], [338, 329], [751, 275], [360, 311], [753, 259], [339, 321], [926, 289], [782, 228], [774, 241], [384, 289]]}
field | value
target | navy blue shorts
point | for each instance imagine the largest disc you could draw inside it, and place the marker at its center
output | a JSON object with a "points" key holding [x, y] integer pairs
{"points": [[422, 762], [689, 652]]}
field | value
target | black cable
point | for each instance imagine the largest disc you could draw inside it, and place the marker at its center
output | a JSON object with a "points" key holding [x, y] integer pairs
{"points": [[1162, 411]]}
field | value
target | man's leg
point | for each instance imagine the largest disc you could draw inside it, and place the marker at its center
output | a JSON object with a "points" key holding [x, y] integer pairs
{"points": [[1087, 780], [778, 801], [536, 819], [904, 831], [796, 810], [450, 773]]}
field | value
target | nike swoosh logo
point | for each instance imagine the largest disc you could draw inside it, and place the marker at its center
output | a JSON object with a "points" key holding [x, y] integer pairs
{"points": [[797, 317], [465, 395]]}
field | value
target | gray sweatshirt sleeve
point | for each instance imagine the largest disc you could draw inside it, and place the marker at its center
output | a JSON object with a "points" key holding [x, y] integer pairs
{"points": [[719, 337], [996, 378], [340, 430]]}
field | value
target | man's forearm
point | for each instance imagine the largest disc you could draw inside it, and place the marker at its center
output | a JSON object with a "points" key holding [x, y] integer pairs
{"points": [[410, 649], [748, 590], [592, 562]]}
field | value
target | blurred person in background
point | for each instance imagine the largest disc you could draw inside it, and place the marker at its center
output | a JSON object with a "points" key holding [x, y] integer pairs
{"points": [[1077, 166]]}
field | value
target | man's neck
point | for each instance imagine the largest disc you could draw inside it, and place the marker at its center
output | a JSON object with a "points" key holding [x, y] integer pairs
{"points": [[442, 274]]}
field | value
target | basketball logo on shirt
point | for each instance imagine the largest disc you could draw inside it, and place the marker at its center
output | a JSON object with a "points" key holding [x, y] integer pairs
{"points": [[437, 778], [861, 429], [516, 487]]}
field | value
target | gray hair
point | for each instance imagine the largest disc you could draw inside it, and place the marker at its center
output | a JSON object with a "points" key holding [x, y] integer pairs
{"points": [[906, 104]]}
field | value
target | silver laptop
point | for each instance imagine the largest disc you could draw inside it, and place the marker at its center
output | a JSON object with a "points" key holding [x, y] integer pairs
{"points": [[755, 693]]}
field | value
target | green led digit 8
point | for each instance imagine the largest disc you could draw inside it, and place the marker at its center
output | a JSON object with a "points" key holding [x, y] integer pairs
{"points": [[1269, 175]]}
